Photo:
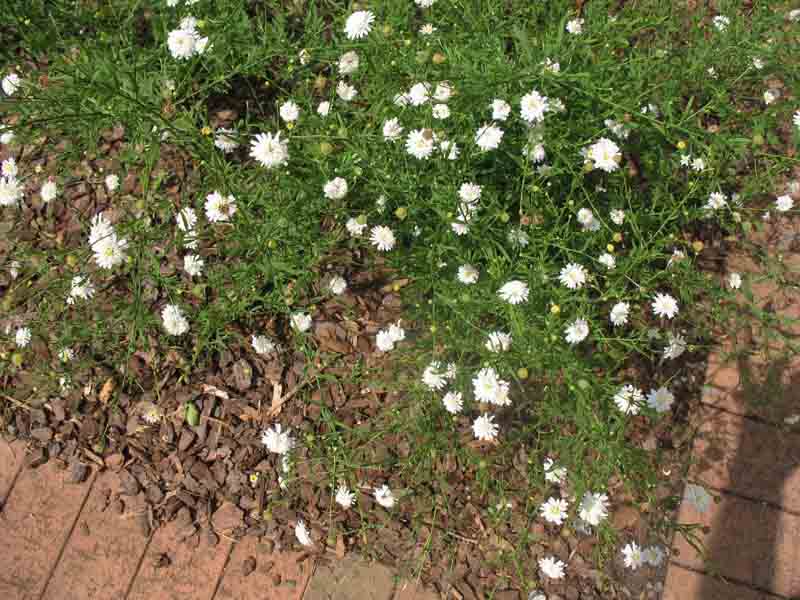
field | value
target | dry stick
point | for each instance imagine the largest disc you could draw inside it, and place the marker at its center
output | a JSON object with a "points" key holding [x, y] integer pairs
{"points": [[16, 402], [276, 406]]}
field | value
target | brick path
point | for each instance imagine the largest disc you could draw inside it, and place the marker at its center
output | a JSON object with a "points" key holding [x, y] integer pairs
{"points": [[748, 457], [65, 541]]}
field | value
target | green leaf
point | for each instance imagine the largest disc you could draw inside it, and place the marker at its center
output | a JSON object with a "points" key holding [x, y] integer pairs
{"points": [[192, 414]]}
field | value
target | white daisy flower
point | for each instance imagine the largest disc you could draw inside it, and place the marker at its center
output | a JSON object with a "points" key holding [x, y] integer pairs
{"points": [[443, 91], [112, 183], [193, 265], [576, 331], [382, 238], [629, 399], [10, 191], [660, 400], [262, 345], [384, 496], [225, 139], [277, 440], [575, 26], [552, 473], [440, 111], [80, 288], [289, 111], [348, 63], [676, 346], [344, 497], [301, 321], [324, 108], [219, 208], [453, 402], [721, 22], [500, 109], [484, 428], [392, 129], [269, 150], [593, 508], [784, 203], [551, 567], [434, 376], [554, 510], [632, 556], [302, 534], [498, 341], [174, 321], [336, 188], [665, 305], [420, 143], [573, 276], [533, 106], [607, 260], [488, 137], [345, 91], [605, 155], [355, 227], [359, 24], [514, 292], [10, 84], [419, 94], [617, 216], [186, 219], [23, 337], [467, 274], [337, 285]]}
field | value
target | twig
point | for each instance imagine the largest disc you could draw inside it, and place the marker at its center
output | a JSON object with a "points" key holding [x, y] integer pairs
{"points": [[276, 406], [16, 402]]}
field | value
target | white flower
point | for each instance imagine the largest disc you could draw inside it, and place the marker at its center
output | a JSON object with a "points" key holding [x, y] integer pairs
{"points": [[587, 220], [354, 227], [453, 402], [304, 56], [112, 183], [607, 260], [302, 534], [618, 129], [488, 137], [536, 596], [424, 3], [384, 496], [660, 400], [420, 143], [573, 276], [575, 26], [219, 208], [348, 63], [337, 285], [518, 237], [10, 191], [186, 219], [13, 268], [721, 22], [784, 203], [384, 341], [665, 305], [80, 288], [443, 91], [277, 440], [554, 510], [336, 189], [382, 238], [419, 94], [698, 497], [552, 473], [484, 428], [22, 337], [551, 66], [427, 29], [392, 129], [467, 274], [109, 251], [434, 376], [449, 149], [10, 84], [653, 555], [182, 43], [533, 106], [629, 399], [619, 313], [793, 15], [193, 265], [345, 91], [771, 96], [289, 111], [795, 120], [676, 345], [469, 192], [552, 567], [498, 341], [270, 150], [324, 108], [396, 332], [632, 556], [359, 24], [263, 345], [488, 387], [757, 63], [9, 167], [301, 321], [605, 155], [174, 321], [698, 164], [344, 497], [576, 332], [500, 109], [716, 201], [514, 292], [536, 153], [225, 139], [6, 137], [440, 111], [593, 508], [617, 216]]}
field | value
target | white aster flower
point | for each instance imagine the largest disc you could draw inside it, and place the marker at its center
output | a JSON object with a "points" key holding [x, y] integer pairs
{"points": [[193, 265], [576, 331], [443, 91], [392, 130], [302, 534], [420, 143], [382, 238], [552, 473], [419, 94], [514, 292], [359, 24], [440, 111], [186, 219], [225, 139], [629, 399], [384, 496], [337, 285], [660, 400], [533, 106], [22, 337], [324, 108], [336, 189], [10, 191], [301, 321], [289, 111], [498, 341], [676, 346], [573, 276], [219, 208], [269, 150], [344, 497], [484, 428], [632, 556], [607, 260], [182, 43], [721, 22], [554, 510], [262, 345], [453, 402], [587, 220], [174, 321], [345, 91], [488, 137], [665, 305], [467, 274], [384, 341], [427, 29], [698, 165], [396, 332], [500, 109], [355, 227], [449, 149], [10, 84], [575, 26], [593, 508], [551, 66], [605, 155], [771, 96], [617, 216], [80, 288], [112, 183], [348, 63], [552, 567], [434, 376], [277, 440], [716, 201], [784, 203], [8, 167]]}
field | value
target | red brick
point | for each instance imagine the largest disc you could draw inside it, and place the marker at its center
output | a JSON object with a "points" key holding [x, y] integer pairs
{"points": [[748, 542], [753, 459], [259, 584], [192, 572], [36, 521], [12, 455], [683, 584], [103, 552]]}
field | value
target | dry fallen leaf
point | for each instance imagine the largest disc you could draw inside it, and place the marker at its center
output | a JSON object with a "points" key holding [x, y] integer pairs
{"points": [[108, 389]]}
